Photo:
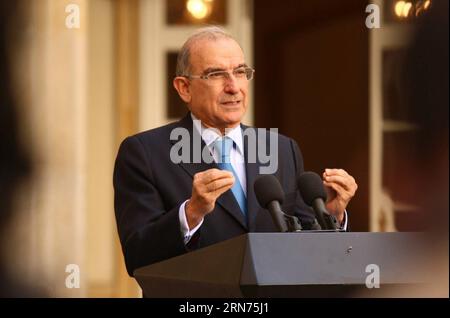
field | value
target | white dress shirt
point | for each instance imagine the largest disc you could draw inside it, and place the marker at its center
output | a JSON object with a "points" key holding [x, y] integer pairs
{"points": [[237, 160]]}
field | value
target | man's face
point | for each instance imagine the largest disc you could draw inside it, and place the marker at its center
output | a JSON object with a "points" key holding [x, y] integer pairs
{"points": [[217, 103]]}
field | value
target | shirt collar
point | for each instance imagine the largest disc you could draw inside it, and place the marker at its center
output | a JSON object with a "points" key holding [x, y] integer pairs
{"points": [[210, 135]]}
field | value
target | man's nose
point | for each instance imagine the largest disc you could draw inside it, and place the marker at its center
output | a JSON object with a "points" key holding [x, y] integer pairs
{"points": [[231, 85]]}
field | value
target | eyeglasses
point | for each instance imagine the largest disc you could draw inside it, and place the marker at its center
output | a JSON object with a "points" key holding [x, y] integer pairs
{"points": [[218, 76]]}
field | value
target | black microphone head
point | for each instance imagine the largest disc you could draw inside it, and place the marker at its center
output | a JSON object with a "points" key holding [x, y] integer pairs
{"points": [[311, 187], [268, 189]]}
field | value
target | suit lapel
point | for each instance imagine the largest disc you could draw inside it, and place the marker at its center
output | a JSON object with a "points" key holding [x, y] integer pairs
{"points": [[226, 200]]}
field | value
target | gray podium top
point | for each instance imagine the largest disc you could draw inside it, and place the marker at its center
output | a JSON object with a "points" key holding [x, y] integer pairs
{"points": [[289, 265]]}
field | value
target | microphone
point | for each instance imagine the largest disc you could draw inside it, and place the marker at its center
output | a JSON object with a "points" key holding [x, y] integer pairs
{"points": [[313, 193], [270, 195]]}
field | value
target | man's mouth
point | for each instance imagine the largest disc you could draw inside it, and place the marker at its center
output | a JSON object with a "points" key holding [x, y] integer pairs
{"points": [[231, 103]]}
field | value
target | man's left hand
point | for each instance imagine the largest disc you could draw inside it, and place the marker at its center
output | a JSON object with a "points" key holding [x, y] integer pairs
{"points": [[340, 187]]}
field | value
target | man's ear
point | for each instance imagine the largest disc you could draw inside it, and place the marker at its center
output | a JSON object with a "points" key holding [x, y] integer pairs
{"points": [[181, 84]]}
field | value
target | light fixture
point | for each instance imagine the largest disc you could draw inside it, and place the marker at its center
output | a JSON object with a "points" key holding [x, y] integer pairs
{"points": [[398, 8], [406, 9], [199, 9], [402, 9]]}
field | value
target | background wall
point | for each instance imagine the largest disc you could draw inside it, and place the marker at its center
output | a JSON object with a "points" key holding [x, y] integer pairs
{"points": [[311, 82]]}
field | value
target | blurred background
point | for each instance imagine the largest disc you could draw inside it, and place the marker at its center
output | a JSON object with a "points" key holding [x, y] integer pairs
{"points": [[88, 73]]}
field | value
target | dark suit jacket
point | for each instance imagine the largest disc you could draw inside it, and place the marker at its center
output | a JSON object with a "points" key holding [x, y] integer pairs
{"points": [[149, 189]]}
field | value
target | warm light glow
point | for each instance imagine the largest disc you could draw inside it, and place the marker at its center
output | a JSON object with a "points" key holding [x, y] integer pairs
{"points": [[407, 9], [399, 8], [198, 8], [402, 8]]}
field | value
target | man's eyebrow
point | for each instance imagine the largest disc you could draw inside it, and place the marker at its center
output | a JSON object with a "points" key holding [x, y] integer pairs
{"points": [[216, 69], [213, 69]]}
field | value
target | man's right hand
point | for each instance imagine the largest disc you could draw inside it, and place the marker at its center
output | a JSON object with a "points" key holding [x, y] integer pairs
{"points": [[207, 186]]}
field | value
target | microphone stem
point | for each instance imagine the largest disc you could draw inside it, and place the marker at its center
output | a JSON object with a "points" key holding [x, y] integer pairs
{"points": [[277, 215], [329, 222], [319, 208]]}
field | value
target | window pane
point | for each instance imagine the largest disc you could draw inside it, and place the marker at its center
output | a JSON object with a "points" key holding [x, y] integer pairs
{"points": [[395, 105], [401, 154]]}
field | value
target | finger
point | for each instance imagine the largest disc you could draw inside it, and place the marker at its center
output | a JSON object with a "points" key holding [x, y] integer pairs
{"points": [[222, 190], [333, 172], [213, 195], [348, 182], [342, 181], [340, 191], [330, 191], [350, 190], [217, 184], [215, 174], [210, 175]]}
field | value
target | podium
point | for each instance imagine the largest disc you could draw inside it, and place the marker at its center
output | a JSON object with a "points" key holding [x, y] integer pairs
{"points": [[303, 264]]}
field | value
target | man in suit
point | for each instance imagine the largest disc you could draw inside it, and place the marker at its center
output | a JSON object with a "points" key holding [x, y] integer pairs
{"points": [[165, 208]]}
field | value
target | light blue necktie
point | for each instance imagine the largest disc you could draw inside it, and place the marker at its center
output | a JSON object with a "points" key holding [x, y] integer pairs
{"points": [[223, 147]]}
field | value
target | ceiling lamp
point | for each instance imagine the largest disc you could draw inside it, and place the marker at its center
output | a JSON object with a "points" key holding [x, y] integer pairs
{"points": [[199, 9], [405, 9]]}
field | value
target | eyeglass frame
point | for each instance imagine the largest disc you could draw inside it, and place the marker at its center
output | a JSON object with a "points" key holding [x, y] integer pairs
{"points": [[207, 75]]}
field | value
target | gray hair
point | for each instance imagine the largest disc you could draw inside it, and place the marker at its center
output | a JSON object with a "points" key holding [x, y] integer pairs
{"points": [[212, 33]]}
